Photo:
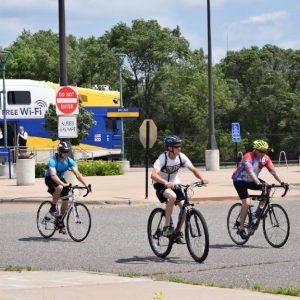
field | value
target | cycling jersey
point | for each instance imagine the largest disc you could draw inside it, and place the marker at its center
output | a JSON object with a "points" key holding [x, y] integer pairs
{"points": [[168, 168], [60, 166], [251, 162]]}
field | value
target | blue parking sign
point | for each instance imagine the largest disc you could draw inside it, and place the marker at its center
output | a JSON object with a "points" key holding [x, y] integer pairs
{"points": [[235, 129]]}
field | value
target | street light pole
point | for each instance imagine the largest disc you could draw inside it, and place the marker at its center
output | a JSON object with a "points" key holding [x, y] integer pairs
{"points": [[212, 143], [3, 57], [121, 57], [212, 156]]}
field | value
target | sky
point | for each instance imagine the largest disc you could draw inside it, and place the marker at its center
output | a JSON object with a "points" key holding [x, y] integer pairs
{"points": [[235, 24]]}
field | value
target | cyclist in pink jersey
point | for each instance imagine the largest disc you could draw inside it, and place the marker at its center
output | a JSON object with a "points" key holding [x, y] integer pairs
{"points": [[246, 177]]}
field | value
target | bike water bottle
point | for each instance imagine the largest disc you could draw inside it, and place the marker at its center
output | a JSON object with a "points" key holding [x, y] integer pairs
{"points": [[252, 212]]}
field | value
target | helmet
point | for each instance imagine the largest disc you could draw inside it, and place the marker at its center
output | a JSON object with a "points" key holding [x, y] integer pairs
{"points": [[172, 140], [63, 147], [260, 145]]}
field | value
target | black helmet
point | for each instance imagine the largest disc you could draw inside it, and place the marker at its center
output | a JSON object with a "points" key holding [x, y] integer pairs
{"points": [[63, 147], [172, 140]]}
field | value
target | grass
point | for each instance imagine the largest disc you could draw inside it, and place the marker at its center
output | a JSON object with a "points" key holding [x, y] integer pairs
{"points": [[11, 268]]}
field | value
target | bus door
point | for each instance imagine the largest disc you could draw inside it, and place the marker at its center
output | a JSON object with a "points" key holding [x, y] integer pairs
{"points": [[113, 132]]}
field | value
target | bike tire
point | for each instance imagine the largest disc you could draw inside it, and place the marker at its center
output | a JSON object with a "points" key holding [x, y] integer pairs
{"points": [[160, 245], [79, 222], [276, 226], [233, 224], [196, 235], [45, 222]]}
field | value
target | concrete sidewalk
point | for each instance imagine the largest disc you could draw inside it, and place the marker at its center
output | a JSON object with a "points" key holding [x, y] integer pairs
{"points": [[127, 189], [64, 285]]}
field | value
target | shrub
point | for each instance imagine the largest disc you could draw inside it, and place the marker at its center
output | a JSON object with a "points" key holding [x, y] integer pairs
{"points": [[88, 168]]}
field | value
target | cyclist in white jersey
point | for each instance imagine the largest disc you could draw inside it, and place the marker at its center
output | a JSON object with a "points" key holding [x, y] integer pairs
{"points": [[164, 176]]}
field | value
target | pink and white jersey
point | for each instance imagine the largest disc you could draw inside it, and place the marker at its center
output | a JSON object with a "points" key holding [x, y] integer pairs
{"points": [[251, 162]]}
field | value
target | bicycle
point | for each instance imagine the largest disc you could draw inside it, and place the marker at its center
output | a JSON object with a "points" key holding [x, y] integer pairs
{"points": [[77, 215], [276, 224], [196, 231]]}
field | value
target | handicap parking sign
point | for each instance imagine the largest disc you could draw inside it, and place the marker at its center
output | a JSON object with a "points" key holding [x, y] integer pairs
{"points": [[235, 129]]}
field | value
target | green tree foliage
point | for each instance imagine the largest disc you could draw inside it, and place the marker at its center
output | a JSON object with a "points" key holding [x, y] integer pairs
{"points": [[257, 87], [263, 82], [84, 123]]}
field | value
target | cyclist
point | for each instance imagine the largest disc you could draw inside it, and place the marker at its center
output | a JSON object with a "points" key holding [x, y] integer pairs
{"points": [[55, 178], [164, 176], [246, 177]]}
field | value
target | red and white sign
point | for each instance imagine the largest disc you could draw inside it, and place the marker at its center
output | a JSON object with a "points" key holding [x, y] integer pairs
{"points": [[67, 100]]}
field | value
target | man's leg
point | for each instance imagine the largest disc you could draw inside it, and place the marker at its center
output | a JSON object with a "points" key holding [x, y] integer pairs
{"points": [[244, 211], [64, 206], [171, 196]]}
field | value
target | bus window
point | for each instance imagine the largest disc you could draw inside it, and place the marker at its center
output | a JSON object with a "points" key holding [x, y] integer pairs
{"points": [[18, 98], [111, 125]]}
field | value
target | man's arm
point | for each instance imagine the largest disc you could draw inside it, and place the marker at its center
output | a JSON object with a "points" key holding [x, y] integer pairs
{"points": [[79, 176], [197, 173], [55, 178], [155, 176]]}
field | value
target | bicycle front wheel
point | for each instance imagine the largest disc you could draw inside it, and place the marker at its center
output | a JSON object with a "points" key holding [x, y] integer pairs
{"points": [[160, 245], [196, 235], [44, 221], [79, 222], [276, 226], [233, 224]]}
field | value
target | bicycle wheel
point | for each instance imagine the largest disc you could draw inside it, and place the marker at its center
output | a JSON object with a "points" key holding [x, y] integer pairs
{"points": [[276, 226], [79, 222], [44, 221], [196, 235], [160, 245], [233, 224]]}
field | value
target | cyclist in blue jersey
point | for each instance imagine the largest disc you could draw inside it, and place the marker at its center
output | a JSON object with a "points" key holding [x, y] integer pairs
{"points": [[55, 178]]}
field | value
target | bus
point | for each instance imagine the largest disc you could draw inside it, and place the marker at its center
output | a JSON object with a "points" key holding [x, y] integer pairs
{"points": [[26, 104]]}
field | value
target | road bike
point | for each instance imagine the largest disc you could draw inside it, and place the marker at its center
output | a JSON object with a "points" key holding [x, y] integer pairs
{"points": [[196, 232], [275, 220], [77, 215]]}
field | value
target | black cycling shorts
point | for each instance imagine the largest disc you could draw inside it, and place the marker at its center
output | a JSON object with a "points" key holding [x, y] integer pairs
{"points": [[243, 186], [52, 186], [160, 188]]}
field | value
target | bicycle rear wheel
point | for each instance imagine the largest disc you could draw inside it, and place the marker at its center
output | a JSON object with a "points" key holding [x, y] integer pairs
{"points": [[233, 224], [46, 223], [160, 245], [196, 234], [79, 222], [276, 226]]}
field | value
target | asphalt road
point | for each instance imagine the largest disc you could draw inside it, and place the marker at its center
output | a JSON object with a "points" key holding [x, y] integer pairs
{"points": [[118, 244]]}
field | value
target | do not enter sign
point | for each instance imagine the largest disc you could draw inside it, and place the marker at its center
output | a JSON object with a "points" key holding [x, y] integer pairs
{"points": [[67, 100]]}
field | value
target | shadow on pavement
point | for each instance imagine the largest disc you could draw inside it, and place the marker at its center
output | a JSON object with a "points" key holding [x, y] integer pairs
{"points": [[146, 259]]}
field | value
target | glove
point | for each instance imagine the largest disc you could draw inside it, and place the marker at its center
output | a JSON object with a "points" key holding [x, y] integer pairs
{"points": [[284, 184]]}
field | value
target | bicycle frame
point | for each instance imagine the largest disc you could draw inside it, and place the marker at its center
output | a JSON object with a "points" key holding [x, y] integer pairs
{"points": [[266, 197], [71, 198], [187, 206]]}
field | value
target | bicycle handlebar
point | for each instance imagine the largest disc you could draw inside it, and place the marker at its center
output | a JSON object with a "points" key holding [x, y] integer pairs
{"points": [[87, 188], [285, 186], [186, 186]]}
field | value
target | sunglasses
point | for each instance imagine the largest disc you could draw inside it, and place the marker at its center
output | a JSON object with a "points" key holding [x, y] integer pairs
{"points": [[262, 152], [176, 147], [65, 152]]}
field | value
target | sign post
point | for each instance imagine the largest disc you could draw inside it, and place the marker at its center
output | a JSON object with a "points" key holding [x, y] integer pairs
{"points": [[236, 138], [148, 136]]}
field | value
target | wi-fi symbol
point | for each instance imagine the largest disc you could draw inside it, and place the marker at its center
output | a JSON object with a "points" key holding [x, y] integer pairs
{"points": [[41, 103]]}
